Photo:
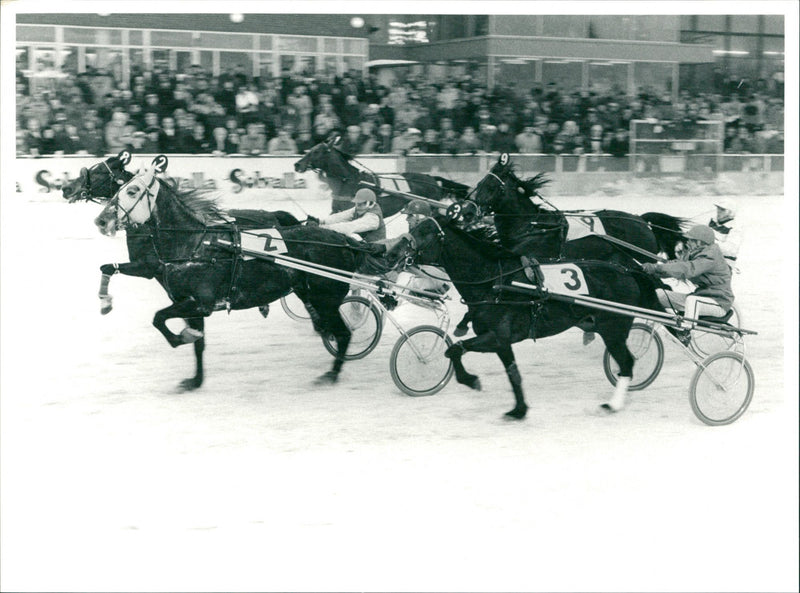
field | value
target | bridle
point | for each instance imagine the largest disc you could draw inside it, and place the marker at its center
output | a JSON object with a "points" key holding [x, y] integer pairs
{"points": [[147, 191]]}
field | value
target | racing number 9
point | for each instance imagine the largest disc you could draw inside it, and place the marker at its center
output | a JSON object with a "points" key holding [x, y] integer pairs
{"points": [[574, 282]]}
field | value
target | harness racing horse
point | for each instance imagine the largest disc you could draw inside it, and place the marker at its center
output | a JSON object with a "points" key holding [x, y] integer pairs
{"points": [[502, 317], [345, 179], [101, 181], [516, 215], [201, 278]]}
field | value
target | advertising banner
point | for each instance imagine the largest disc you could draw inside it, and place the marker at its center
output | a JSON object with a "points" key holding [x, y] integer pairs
{"points": [[237, 179]]}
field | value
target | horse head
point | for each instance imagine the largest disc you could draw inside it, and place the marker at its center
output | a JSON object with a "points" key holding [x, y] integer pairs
{"points": [[496, 185], [100, 181], [326, 158], [135, 201], [424, 242]]}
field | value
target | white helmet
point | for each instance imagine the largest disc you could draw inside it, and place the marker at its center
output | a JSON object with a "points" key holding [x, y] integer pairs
{"points": [[728, 205]]}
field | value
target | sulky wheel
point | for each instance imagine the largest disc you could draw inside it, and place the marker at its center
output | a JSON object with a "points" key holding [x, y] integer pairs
{"points": [[706, 343], [418, 364], [722, 388], [365, 321], [647, 349], [294, 307]]}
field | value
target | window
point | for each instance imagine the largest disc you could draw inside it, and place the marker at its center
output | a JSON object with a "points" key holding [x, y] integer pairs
{"points": [[31, 33], [574, 26], [607, 76], [564, 74], [225, 41], [171, 38], [297, 44]]}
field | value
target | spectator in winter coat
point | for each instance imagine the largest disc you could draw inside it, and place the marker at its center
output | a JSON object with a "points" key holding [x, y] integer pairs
{"points": [[169, 140], [254, 141], [529, 141], [468, 143], [503, 139], [282, 143], [91, 138], [118, 132]]}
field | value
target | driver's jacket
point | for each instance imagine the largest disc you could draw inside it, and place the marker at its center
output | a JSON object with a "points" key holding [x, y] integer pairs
{"points": [[368, 226], [707, 269]]}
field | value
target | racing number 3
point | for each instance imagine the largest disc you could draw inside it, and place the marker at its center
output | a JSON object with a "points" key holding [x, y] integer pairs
{"points": [[573, 282]]}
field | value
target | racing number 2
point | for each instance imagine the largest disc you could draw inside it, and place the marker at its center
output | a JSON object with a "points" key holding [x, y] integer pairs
{"points": [[574, 281]]}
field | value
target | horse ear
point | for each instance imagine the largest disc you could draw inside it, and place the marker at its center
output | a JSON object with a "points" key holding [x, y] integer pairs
{"points": [[160, 163], [504, 158], [124, 157]]}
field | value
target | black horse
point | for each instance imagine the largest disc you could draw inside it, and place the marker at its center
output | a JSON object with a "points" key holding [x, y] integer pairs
{"points": [[516, 216], [502, 317], [201, 278], [101, 181], [345, 179]]}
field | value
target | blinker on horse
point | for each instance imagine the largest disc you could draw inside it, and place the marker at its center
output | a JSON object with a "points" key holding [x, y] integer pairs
{"points": [[479, 271], [201, 279]]}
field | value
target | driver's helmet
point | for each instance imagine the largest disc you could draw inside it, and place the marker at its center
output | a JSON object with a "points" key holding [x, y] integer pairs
{"points": [[418, 208], [701, 233], [365, 196], [728, 205]]}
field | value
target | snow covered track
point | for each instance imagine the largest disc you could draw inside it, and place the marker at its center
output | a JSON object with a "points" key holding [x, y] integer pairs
{"points": [[260, 481]]}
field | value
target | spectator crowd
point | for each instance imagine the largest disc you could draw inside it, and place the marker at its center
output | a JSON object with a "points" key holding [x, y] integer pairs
{"points": [[196, 113]]}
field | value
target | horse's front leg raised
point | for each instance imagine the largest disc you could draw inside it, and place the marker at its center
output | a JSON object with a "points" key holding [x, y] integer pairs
{"points": [[187, 309], [193, 334], [140, 269]]}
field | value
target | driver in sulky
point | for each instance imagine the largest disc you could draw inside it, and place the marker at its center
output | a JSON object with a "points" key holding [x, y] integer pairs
{"points": [[363, 221]]}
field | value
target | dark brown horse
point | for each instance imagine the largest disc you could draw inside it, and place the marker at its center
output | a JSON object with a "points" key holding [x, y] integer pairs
{"points": [[200, 278], [482, 272], [101, 181]]}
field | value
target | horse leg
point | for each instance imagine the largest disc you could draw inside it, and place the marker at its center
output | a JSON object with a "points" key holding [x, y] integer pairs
{"points": [[331, 322], [506, 355], [615, 336], [463, 326], [140, 269], [197, 324], [454, 353], [185, 309]]}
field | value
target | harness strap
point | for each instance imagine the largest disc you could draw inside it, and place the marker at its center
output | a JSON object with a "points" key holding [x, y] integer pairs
{"points": [[532, 270]]}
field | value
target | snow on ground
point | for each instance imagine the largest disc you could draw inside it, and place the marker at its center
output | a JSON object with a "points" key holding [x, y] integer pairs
{"points": [[112, 480]]}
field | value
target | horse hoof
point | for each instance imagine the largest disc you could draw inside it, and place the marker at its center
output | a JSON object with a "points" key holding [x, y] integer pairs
{"points": [[189, 335], [190, 384], [105, 310], [328, 378], [264, 310], [460, 331], [588, 338], [517, 413], [605, 409], [473, 382]]}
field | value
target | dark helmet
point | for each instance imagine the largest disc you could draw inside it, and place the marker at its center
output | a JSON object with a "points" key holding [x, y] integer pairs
{"points": [[418, 207]]}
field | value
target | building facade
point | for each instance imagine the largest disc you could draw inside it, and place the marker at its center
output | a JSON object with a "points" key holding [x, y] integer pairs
{"points": [[663, 53]]}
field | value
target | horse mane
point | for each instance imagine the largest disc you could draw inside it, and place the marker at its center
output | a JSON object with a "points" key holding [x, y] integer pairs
{"points": [[478, 240], [202, 204]]}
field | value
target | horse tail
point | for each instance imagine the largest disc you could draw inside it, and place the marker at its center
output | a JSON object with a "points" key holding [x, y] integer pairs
{"points": [[285, 218], [668, 230]]}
